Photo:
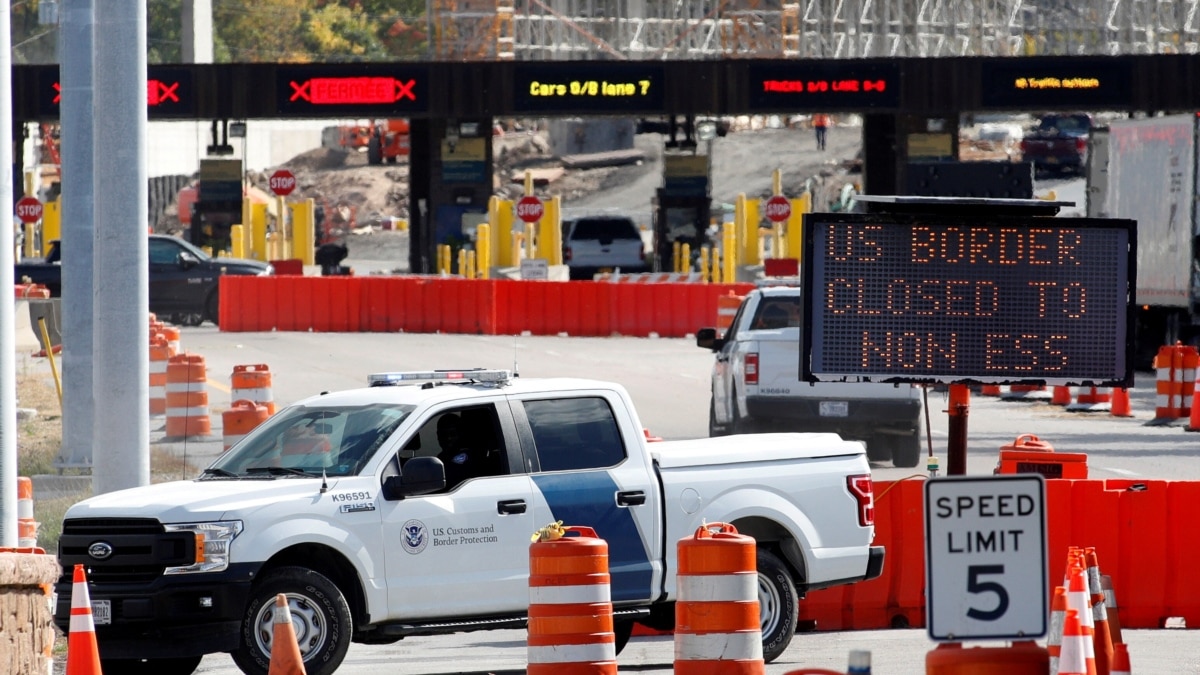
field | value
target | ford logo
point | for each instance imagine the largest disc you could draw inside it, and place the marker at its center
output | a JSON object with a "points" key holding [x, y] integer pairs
{"points": [[101, 550]]}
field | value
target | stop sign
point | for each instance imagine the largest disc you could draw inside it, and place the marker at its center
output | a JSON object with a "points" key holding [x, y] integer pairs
{"points": [[530, 209], [778, 209], [283, 182], [29, 209]]}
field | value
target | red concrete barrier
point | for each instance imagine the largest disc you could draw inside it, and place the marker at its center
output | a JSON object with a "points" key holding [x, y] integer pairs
{"points": [[427, 304]]}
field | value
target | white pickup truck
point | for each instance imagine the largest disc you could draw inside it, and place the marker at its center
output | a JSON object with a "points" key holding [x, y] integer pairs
{"points": [[756, 385], [341, 502]]}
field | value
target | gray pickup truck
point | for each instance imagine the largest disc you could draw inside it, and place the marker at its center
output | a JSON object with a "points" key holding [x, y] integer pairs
{"points": [[756, 385]]}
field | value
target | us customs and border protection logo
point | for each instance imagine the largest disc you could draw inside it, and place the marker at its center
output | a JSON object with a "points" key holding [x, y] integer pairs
{"points": [[414, 537]]}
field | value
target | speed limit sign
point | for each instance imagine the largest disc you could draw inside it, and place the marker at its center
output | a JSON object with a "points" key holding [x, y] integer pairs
{"points": [[986, 574]]}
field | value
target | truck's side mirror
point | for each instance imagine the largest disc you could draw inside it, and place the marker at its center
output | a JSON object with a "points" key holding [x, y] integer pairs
{"points": [[187, 261], [706, 338], [420, 476]]}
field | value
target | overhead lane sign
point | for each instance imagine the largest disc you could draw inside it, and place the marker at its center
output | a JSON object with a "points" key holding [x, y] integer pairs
{"points": [[827, 85], [986, 557], [365, 90], [169, 93], [1033, 83], [584, 87]]}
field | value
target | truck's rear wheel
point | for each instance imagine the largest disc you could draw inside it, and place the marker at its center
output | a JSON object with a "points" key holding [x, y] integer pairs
{"points": [[906, 451], [181, 666], [778, 604], [320, 617]]}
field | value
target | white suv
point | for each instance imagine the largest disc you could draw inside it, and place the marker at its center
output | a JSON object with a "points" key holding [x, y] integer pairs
{"points": [[597, 244]]}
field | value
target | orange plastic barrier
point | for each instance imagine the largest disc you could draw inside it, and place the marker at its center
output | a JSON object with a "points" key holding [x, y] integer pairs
{"points": [[570, 606], [1143, 533], [1028, 454], [240, 420], [717, 624], [288, 266], [727, 307], [425, 304], [253, 383], [187, 397]]}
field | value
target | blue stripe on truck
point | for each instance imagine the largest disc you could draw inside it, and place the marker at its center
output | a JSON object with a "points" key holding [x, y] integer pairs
{"points": [[588, 499]]}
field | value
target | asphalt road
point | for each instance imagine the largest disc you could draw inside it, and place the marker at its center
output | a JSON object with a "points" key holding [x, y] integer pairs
{"points": [[667, 379]]}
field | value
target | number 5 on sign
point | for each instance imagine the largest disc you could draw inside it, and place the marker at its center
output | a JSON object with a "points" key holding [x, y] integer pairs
{"points": [[986, 563]]}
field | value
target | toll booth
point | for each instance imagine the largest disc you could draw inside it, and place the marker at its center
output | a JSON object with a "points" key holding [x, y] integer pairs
{"points": [[678, 218], [681, 207]]}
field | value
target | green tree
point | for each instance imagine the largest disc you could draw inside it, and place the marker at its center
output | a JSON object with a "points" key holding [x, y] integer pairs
{"points": [[268, 31], [336, 32], [164, 27]]}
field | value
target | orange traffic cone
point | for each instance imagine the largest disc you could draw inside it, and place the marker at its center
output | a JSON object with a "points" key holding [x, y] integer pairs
{"points": [[1110, 607], [1076, 658], [1120, 665], [83, 654], [1104, 644], [285, 651], [1058, 611], [990, 390], [1079, 603], [1120, 406]]}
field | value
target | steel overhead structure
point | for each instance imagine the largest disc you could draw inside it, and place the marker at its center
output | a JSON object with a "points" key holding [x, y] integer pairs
{"points": [[710, 29]]}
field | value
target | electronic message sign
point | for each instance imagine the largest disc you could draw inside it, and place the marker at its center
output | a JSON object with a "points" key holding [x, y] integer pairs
{"points": [[584, 87], [169, 93], [915, 298], [360, 90], [1039, 83], [826, 85]]}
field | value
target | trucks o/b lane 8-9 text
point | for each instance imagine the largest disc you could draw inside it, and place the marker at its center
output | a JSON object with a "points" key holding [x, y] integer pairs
{"points": [[406, 508]]}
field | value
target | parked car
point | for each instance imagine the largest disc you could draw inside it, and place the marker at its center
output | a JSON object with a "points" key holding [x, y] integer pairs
{"points": [[184, 280], [605, 243], [1058, 143]]}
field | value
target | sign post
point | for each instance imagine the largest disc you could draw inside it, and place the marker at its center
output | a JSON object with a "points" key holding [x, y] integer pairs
{"points": [[283, 182], [986, 560]]}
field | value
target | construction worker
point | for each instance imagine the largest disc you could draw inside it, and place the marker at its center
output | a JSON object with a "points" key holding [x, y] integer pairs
{"points": [[820, 122]]}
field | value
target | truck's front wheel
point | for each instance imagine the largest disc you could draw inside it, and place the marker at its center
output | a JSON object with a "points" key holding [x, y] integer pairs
{"points": [[778, 604], [320, 617]]}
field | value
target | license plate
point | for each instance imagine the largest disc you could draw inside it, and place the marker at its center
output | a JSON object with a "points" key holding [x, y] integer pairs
{"points": [[834, 408], [102, 612]]}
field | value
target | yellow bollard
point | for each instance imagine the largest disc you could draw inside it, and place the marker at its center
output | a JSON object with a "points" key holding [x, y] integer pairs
{"points": [[51, 224], [716, 265], [517, 244], [501, 220], [237, 237], [729, 264], [462, 262], [303, 215], [704, 264], [258, 227], [483, 248], [675, 249], [31, 237], [530, 241], [471, 260], [753, 245], [553, 215], [685, 258], [800, 206]]}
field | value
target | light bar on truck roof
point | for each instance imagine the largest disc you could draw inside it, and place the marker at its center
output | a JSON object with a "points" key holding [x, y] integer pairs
{"points": [[423, 376]]}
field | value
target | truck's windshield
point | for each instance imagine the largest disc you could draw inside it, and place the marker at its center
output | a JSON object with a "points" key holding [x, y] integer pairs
{"points": [[309, 440]]}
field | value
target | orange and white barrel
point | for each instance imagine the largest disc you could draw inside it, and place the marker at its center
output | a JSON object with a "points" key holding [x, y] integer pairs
{"points": [[27, 527], [727, 307], [1175, 382], [570, 606], [160, 353], [173, 335], [187, 397], [240, 420], [717, 622], [253, 383]]}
